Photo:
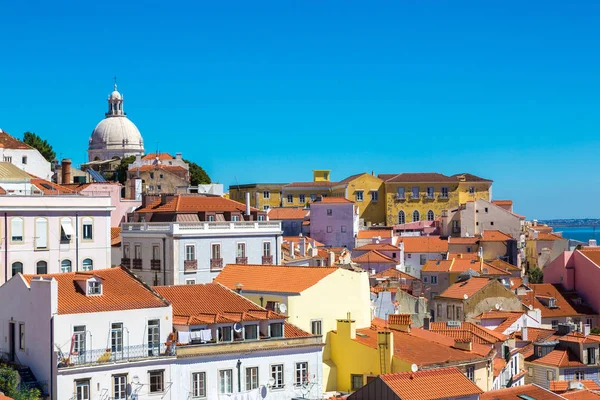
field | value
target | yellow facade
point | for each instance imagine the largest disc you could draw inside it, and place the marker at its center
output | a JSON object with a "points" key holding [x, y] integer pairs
{"points": [[321, 175], [262, 195], [368, 193], [302, 196], [435, 200]]}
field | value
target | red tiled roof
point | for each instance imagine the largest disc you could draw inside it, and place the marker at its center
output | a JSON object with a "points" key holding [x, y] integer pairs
{"points": [[426, 177], [519, 392], [2, 191], [440, 383], [169, 168], [462, 265], [115, 236], [399, 319], [463, 240], [563, 386], [581, 395], [195, 203], [424, 244], [284, 213], [499, 365], [9, 142], [332, 200], [394, 273], [503, 202], [468, 287], [503, 265], [466, 256], [538, 298], [508, 317], [495, 236], [548, 237], [373, 257], [47, 187], [468, 330], [161, 156], [378, 247], [371, 233], [559, 358], [272, 278], [120, 291]]}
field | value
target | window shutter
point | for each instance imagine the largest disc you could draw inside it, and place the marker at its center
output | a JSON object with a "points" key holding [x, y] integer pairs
{"points": [[17, 227], [41, 233]]}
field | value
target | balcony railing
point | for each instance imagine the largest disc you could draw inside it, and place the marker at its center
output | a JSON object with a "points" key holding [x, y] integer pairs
{"points": [[414, 196], [267, 260], [216, 263], [123, 354], [190, 265], [126, 262], [400, 197], [443, 197], [155, 265], [137, 263], [429, 196], [241, 260], [184, 227]]}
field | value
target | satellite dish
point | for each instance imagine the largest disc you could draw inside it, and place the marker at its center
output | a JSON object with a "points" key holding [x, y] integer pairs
{"points": [[465, 296], [497, 306], [414, 368], [271, 381], [530, 307], [283, 308], [237, 327]]}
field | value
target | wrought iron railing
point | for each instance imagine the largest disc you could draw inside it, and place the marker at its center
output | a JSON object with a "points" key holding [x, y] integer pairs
{"points": [[241, 260], [190, 265], [155, 265], [267, 260], [137, 263], [216, 263], [121, 354]]}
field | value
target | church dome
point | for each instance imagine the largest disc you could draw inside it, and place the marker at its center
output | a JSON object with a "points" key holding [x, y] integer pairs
{"points": [[116, 133], [115, 95]]}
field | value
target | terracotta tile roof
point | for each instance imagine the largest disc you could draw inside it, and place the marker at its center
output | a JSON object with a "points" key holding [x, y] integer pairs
{"points": [[9, 142], [519, 393], [508, 317], [499, 365], [121, 290], [463, 240], [115, 236], [462, 265], [416, 177], [470, 177], [538, 298], [309, 185], [377, 246], [272, 278], [540, 228], [161, 156], [373, 257], [503, 202], [503, 265], [468, 330], [212, 303], [424, 244], [47, 187], [283, 213], [495, 236], [581, 395], [399, 319], [176, 169], [332, 200], [296, 239], [2, 191], [195, 203], [592, 255], [563, 386], [351, 178], [558, 358], [394, 273], [371, 233], [468, 287], [440, 383], [466, 256], [548, 237]]}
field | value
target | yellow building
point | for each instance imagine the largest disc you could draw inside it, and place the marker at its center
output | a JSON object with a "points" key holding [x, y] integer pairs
{"points": [[262, 195], [368, 194], [313, 298], [412, 197], [362, 354]]}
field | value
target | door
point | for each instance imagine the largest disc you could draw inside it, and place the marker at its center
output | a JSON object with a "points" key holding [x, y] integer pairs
{"points": [[153, 337], [116, 340], [11, 341]]}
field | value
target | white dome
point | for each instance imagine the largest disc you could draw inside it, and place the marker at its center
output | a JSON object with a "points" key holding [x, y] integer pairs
{"points": [[116, 133], [115, 95]]}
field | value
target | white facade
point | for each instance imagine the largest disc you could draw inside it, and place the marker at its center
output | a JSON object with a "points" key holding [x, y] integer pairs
{"points": [[173, 253], [29, 160], [479, 215], [50, 234], [413, 262]]}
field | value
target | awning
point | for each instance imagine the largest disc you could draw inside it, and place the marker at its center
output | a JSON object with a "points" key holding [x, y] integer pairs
{"points": [[67, 228]]}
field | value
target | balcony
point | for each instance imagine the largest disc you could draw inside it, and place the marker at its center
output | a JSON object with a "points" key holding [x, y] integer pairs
{"points": [[429, 196], [190, 265], [241, 260], [267, 260], [155, 265], [443, 196], [400, 197], [137, 263], [108, 356], [216, 263], [414, 196], [126, 262]]}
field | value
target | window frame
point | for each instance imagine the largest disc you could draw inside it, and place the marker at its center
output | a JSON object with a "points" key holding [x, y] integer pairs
{"points": [[157, 373], [470, 370], [297, 370], [188, 253], [359, 195], [37, 267], [22, 336], [434, 280], [251, 378], [62, 265], [122, 390], [302, 199], [84, 267], [274, 373], [418, 214], [242, 246], [221, 387], [320, 326], [82, 383], [87, 222], [401, 217], [430, 216], [252, 328], [198, 389], [374, 194], [266, 249], [12, 267], [36, 238], [354, 387], [290, 198], [20, 239], [266, 194]]}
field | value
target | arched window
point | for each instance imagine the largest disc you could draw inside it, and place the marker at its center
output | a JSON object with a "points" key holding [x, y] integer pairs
{"points": [[65, 266], [88, 264], [430, 215], [416, 216], [17, 267], [41, 267], [401, 217]]}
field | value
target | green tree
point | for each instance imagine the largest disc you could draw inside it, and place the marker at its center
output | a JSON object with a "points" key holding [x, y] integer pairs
{"points": [[41, 145], [197, 175], [123, 167], [595, 331], [536, 276]]}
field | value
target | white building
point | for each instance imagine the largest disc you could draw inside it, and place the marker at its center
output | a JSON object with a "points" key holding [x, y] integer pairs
{"points": [[46, 228], [334, 221], [30, 160], [417, 250], [230, 348], [89, 335]]}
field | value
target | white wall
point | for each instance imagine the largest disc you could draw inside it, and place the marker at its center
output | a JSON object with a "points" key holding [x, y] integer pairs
{"points": [[412, 262], [35, 164], [475, 219]]}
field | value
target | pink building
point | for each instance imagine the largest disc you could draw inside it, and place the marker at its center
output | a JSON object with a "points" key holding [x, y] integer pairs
{"points": [[334, 221], [113, 189]]}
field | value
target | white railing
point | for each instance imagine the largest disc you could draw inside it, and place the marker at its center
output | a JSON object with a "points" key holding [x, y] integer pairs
{"points": [[195, 226]]}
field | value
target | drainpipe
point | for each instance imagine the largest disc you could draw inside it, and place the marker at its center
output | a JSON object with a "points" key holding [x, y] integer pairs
{"points": [[239, 369], [52, 363], [76, 242], [164, 262], [5, 247]]}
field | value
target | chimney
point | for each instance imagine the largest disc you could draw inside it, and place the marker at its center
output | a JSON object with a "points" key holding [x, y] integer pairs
{"points": [[313, 249], [238, 287], [400, 322], [292, 250], [463, 344], [524, 333], [385, 345], [331, 255], [163, 199], [302, 247], [592, 243], [586, 329], [426, 322], [247, 203], [66, 170], [346, 328], [178, 156]]}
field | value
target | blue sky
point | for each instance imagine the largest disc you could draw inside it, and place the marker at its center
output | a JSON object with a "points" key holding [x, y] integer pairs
{"points": [[269, 91]]}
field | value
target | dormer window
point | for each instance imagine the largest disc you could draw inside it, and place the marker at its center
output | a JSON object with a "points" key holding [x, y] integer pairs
{"points": [[94, 288], [551, 302], [276, 330], [250, 332]]}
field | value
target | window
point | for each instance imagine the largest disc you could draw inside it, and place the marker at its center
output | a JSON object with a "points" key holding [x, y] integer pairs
{"points": [[359, 195], [429, 192], [251, 378], [471, 373], [151, 187], [82, 389], [266, 249], [88, 264], [539, 351], [579, 375], [241, 250], [190, 281], [550, 375], [343, 229], [554, 324], [329, 212], [315, 327], [530, 371], [423, 259], [415, 192], [157, 383], [416, 216], [120, 387], [329, 229], [198, 384], [41, 233], [160, 176], [357, 381], [374, 195], [41, 267], [153, 337], [94, 288], [407, 269], [156, 252], [313, 197], [21, 336], [66, 229], [79, 339], [211, 218], [225, 381], [7, 159], [215, 251], [486, 209], [434, 280], [591, 355], [17, 267], [261, 217], [301, 373], [87, 228], [151, 175], [65, 266], [224, 334], [125, 251], [190, 252], [266, 208], [24, 159], [401, 217], [277, 375], [16, 229], [250, 332], [439, 311], [458, 313], [235, 218], [425, 279], [116, 337], [301, 199], [290, 198], [401, 193], [430, 215], [589, 322], [444, 193], [137, 249], [449, 313], [277, 330], [471, 189], [266, 194]]}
